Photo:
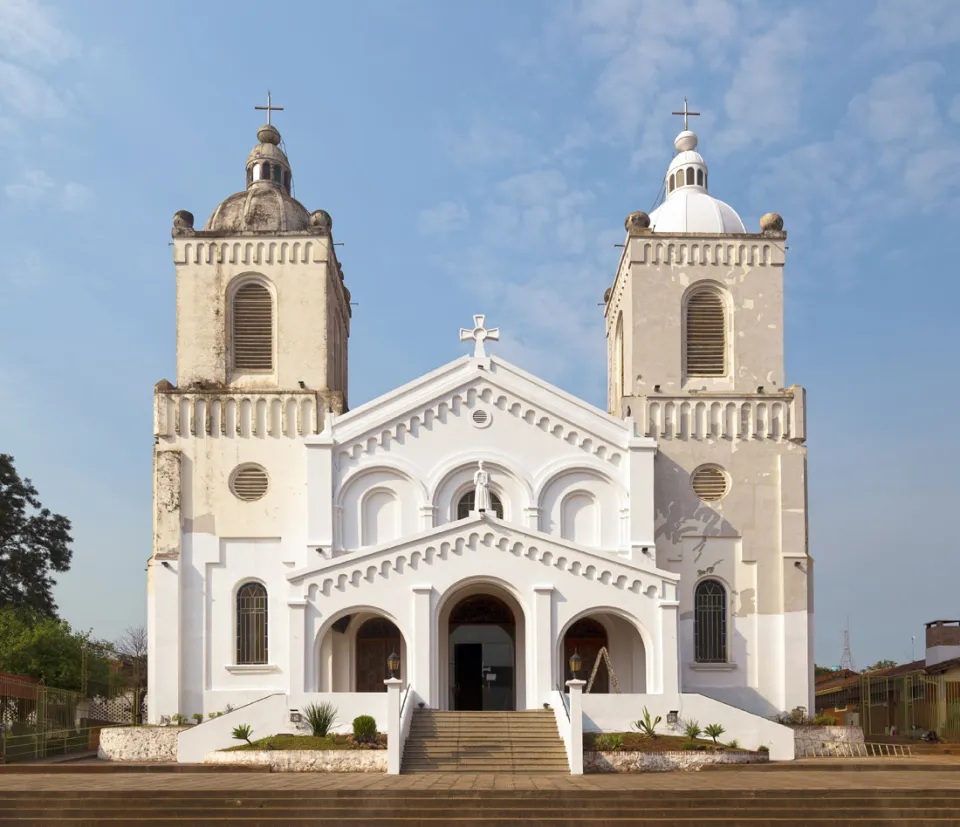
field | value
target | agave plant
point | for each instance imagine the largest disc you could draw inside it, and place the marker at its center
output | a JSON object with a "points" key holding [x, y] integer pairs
{"points": [[321, 717], [647, 725], [692, 730]]}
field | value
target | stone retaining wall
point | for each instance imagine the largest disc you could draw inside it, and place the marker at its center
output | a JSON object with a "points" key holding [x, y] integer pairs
{"points": [[302, 760], [139, 744], [627, 761], [810, 740]]}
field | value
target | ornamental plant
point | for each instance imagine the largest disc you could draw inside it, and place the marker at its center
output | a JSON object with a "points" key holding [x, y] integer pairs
{"points": [[646, 725], [179, 719], [608, 742], [365, 729], [321, 717], [243, 732], [198, 717], [714, 731], [692, 730]]}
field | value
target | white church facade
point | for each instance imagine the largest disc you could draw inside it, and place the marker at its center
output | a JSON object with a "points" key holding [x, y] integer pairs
{"points": [[478, 523]]}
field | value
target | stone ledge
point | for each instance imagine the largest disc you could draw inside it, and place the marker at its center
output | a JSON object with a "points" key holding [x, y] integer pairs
{"points": [[302, 760], [139, 744], [634, 761]]}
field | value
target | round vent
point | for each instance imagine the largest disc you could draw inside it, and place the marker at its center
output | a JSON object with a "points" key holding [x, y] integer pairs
{"points": [[710, 483], [249, 482], [481, 418]]}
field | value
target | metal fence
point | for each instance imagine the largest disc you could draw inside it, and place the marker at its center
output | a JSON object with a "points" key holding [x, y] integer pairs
{"points": [[910, 705], [39, 721]]}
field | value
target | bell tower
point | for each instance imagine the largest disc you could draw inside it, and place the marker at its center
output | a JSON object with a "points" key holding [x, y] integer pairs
{"points": [[694, 323]]}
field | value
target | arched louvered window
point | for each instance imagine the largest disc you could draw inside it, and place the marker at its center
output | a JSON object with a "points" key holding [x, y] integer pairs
{"points": [[252, 624], [252, 323], [672, 183], [679, 177], [699, 177], [710, 622], [706, 334]]}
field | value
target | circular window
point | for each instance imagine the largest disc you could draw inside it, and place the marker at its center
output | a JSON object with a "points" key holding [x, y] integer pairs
{"points": [[481, 418], [249, 482], [710, 483]]}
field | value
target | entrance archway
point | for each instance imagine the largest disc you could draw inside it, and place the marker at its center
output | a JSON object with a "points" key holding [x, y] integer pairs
{"points": [[352, 652], [587, 634], [587, 637], [481, 638], [377, 638]]}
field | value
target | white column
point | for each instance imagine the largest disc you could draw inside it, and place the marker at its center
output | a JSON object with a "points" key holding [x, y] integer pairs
{"points": [[296, 651], [668, 682], [576, 726], [531, 516], [393, 725], [540, 677], [164, 611], [642, 453], [320, 490], [420, 648], [428, 516]]}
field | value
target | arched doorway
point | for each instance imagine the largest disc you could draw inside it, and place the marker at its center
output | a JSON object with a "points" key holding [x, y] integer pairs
{"points": [[587, 637], [482, 638], [377, 638]]}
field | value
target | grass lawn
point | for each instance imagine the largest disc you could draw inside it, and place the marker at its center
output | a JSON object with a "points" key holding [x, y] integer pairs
{"points": [[310, 742], [635, 742]]}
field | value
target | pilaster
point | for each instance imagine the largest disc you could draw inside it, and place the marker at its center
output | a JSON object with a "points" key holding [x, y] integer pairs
{"points": [[420, 650], [540, 683], [296, 630]]}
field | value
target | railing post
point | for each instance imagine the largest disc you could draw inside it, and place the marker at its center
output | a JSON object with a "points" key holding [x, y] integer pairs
{"points": [[576, 726], [393, 725]]}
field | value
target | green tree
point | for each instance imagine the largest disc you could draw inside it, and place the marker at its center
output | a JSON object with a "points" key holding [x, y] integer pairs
{"points": [[38, 646], [33, 543], [821, 670], [881, 664]]}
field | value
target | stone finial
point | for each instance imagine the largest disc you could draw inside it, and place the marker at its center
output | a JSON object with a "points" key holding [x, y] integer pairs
{"points": [[268, 134], [182, 223], [637, 222], [771, 223], [165, 385], [321, 220], [606, 295]]}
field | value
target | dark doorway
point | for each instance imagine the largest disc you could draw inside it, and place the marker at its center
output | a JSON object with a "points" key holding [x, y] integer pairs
{"points": [[587, 637], [376, 640], [468, 673]]}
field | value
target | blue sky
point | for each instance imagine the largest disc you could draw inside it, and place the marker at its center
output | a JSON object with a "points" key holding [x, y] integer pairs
{"points": [[482, 158]]}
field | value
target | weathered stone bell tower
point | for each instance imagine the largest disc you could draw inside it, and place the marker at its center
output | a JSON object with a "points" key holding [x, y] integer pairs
{"points": [[694, 324]]}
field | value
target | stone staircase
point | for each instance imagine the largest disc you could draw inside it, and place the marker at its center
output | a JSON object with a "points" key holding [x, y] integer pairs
{"points": [[482, 808], [484, 742]]}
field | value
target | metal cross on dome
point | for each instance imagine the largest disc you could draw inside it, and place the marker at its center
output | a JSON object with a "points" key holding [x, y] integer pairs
{"points": [[269, 108], [479, 334], [686, 114]]}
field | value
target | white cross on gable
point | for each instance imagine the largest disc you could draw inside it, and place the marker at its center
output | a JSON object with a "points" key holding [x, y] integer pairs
{"points": [[479, 334]]}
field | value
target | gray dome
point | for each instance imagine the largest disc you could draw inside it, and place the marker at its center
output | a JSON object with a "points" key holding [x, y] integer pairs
{"points": [[263, 208], [266, 206]]}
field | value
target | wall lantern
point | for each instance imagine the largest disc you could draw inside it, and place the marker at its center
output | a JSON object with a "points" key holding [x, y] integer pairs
{"points": [[393, 663], [672, 716], [295, 716], [576, 664]]}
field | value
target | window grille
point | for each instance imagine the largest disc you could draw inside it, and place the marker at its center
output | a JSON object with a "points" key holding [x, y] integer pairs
{"points": [[710, 623], [252, 624], [252, 328], [465, 506], [706, 335]]}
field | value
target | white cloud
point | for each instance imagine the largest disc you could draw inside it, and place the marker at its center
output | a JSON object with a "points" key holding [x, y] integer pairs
{"points": [[35, 187], [28, 95], [23, 269], [444, 218], [485, 142], [30, 33], [31, 189], [903, 25]]}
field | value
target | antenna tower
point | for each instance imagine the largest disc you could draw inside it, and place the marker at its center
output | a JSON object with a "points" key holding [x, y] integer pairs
{"points": [[846, 662]]}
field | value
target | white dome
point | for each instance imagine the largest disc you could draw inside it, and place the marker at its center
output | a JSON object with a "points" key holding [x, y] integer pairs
{"points": [[693, 210], [689, 207]]}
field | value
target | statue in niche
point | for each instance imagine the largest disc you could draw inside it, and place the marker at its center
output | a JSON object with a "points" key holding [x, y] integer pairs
{"points": [[481, 481]]}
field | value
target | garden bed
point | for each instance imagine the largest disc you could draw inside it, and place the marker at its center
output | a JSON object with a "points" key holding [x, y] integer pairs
{"points": [[309, 743], [636, 742]]}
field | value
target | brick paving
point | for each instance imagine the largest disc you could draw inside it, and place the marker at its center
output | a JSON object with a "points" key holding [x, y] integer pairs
{"points": [[828, 778]]}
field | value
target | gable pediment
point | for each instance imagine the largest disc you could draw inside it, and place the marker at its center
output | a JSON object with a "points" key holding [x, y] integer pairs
{"points": [[482, 534], [432, 399]]}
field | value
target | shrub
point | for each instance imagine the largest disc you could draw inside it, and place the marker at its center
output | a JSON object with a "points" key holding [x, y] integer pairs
{"points": [[646, 725], [608, 742], [714, 731], [734, 744], [364, 729], [763, 748], [178, 719], [321, 717], [213, 715], [197, 717], [242, 732], [692, 730]]}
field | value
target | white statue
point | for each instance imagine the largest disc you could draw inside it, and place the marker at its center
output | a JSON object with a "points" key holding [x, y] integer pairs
{"points": [[481, 499]]}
